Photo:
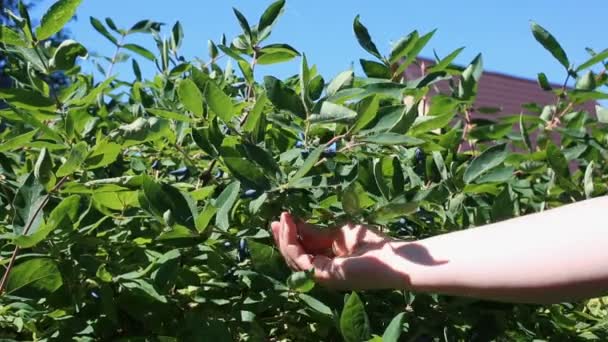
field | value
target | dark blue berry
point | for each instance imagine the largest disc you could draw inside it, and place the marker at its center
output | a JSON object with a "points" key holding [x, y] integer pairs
{"points": [[227, 244], [419, 155], [2, 126], [305, 153], [219, 174], [299, 144], [181, 173], [251, 193], [330, 151], [156, 165], [243, 250], [95, 295]]}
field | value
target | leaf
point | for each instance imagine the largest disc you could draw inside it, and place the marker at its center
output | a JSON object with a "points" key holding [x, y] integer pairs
{"points": [[103, 154], [66, 54], [270, 15], [99, 27], [354, 199], [145, 26], [219, 102], [367, 110], [56, 17], [276, 53], [602, 115], [486, 161], [75, 159], [243, 22], [374, 69], [343, 80], [301, 281], [394, 329], [354, 323], [10, 37], [557, 161], [26, 99], [64, 215], [524, 133], [543, 82], [597, 58], [255, 115], [34, 278], [247, 172], [550, 44], [28, 199], [445, 62], [282, 97], [309, 163], [503, 205], [224, 204], [315, 304], [365, 40], [165, 114], [588, 180], [427, 123], [43, 170], [419, 44], [403, 47], [393, 210], [331, 112], [18, 141], [140, 51], [163, 197], [190, 96]]}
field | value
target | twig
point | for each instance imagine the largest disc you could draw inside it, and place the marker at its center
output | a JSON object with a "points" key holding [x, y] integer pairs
{"points": [[118, 47], [11, 262]]}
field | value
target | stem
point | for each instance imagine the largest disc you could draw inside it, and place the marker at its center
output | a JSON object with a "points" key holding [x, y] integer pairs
{"points": [[467, 128], [118, 47], [11, 262]]}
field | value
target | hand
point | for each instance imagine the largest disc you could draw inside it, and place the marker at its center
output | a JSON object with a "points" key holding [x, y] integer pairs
{"points": [[349, 257]]}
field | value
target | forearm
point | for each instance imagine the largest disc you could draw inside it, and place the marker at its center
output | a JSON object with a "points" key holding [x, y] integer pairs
{"points": [[557, 255]]}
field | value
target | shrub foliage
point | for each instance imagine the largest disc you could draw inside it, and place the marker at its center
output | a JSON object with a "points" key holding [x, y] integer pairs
{"points": [[138, 208]]}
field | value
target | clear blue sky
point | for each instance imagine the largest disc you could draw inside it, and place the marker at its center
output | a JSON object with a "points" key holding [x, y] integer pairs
{"points": [[323, 29]]}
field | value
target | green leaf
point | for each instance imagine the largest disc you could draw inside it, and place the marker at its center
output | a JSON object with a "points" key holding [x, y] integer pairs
{"points": [[367, 111], [315, 304], [254, 117], [165, 114], [75, 159], [445, 62], [140, 51], [163, 197], [190, 96], [503, 205], [394, 329], [388, 213], [419, 44], [26, 99], [486, 161], [354, 323], [427, 123], [247, 172], [66, 54], [103, 154], [270, 15], [588, 180], [18, 141], [145, 26], [243, 22], [10, 37], [276, 53], [283, 97], [586, 82], [43, 169], [56, 17], [523, 130], [331, 112], [597, 58], [602, 115], [365, 40], [343, 80], [354, 199], [389, 139], [34, 278], [219, 102], [301, 281], [403, 47], [374, 69], [28, 199], [550, 44], [557, 161], [309, 163], [543, 82], [224, 204], [99, 27], [64, 215]]}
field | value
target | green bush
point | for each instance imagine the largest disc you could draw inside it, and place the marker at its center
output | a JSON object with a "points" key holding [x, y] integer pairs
{"points": [[139, 209]]}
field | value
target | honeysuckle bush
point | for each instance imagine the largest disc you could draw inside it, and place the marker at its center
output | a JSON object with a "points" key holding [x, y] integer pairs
{"points": [[137, 207]]}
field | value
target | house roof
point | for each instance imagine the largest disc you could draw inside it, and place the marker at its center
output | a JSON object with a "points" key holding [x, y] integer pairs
{"points": [[503, 91]]}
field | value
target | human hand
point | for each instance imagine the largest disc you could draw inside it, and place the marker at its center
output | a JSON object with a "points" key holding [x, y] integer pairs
{"points": [[348, 257]]}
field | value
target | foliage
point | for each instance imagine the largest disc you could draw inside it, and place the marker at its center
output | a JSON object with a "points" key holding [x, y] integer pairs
{"points": [[139, 209]]}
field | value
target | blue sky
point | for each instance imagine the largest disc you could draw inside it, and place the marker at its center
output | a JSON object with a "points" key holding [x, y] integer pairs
{"points": [[323, 29]]}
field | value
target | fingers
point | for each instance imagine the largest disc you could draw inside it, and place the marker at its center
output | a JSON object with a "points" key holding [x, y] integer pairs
{"points": [[313, 239], [294, 254]]}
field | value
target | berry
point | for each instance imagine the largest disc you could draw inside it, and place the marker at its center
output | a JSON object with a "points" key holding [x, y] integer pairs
{"points": [[305, 153], [299, 144], [219, 174], [251, 193], [402, 221], [156, 165], [419, 155], [330, 151], [181, 173], [227, 244], [243, 250], [95, 295]]}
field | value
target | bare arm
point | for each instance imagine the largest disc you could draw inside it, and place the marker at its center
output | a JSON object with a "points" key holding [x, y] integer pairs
{"points": [[558, 255]]}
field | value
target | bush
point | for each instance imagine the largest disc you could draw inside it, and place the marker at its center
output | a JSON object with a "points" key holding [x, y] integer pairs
{"points": [[139, 209]]}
